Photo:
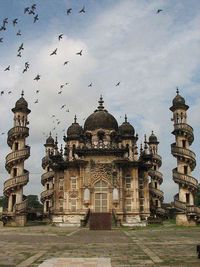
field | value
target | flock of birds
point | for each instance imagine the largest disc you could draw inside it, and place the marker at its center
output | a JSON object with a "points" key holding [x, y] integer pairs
{"points": [[32, 11]]}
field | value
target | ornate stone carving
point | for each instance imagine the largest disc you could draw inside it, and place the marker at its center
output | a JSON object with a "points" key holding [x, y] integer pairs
{"points": [[101, 171]]}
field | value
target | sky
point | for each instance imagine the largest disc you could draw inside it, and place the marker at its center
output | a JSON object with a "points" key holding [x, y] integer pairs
{"points": [[122, 41]]}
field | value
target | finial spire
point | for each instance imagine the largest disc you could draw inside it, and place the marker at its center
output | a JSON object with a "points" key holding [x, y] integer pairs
{"points": [[152, 132], [177, 90], [50, 133], [22, 94], [75, 119], [125, 118], [101, 107]]}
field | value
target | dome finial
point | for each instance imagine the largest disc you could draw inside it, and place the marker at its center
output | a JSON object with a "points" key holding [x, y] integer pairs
{"points": [[152, 132], [177, 90], [125, 118], [101, 107], [75, 119], [22, 94], [50, 133]]}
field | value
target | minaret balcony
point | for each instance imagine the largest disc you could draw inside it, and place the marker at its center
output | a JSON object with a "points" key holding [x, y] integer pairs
{"points": [[18, 181], [179, 205], [157, 158], [181, 178], [46, 194], [184, 127], [156, 192], [156, 175], [21, 207], [46, 177], [184, 153], [18, 155], [17, 132]]}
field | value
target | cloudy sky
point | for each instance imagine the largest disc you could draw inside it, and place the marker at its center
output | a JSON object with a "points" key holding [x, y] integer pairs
{"points": [[122, 40]]}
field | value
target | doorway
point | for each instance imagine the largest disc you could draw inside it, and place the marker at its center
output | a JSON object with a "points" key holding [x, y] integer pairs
{"points": [[101, 197]]}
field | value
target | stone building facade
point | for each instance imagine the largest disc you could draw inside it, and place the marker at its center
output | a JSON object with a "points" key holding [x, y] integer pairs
{"points": [[100, 170]]}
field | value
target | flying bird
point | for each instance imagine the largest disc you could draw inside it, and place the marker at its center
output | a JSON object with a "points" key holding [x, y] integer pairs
{"points": [[15, 21], [36, 101], [90, 85], [60, 37], [19, 54], [63, 106], [60, 92], [53, 116], [19, 33], [2, 92], [2, 133], [65, 63], [82, 10], [9, 92], [37, 78], [117, 84], [61, 86], [35, 18], [3, 28], [33, 7], [1, 40], [37, 91], [69, 11], [54, 52], [5, 21], [67, 110], [159, 10], [79, 53], [21, 47], [26, 9], [31, 12], [8, 68]]}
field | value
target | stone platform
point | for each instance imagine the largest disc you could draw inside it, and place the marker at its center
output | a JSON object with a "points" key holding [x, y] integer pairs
{"points": [[76, 262]]}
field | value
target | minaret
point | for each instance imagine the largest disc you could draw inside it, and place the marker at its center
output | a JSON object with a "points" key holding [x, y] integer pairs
{"points": [[156, 195], [47, 178], [184, 200], [19, 177]]}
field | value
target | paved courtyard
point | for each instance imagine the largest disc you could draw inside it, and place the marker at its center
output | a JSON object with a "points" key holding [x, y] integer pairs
{"points": [[153, 246]]}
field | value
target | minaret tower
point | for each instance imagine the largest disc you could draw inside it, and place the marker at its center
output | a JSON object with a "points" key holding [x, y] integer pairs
{"points": [[156, 195], [47, 178], [19, 177], [184, 200]]}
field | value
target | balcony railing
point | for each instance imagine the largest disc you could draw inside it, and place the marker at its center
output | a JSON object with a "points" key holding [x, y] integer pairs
{"points": [[183, 126], [18, 154], [156, 174], [179, 205], [16, 181], [47, 193], [47, 176], [21, 207], [22, 130], [184, 178], [156, 191], [183, 151]]}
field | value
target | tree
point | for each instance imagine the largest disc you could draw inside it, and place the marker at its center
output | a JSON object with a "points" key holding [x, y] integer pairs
{"points": [[197, 197], [33, 202]]}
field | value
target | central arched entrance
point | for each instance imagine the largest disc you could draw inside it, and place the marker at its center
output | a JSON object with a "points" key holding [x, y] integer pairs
{"points": [[101, 196]]}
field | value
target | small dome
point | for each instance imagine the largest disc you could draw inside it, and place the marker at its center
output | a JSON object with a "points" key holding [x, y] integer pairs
{"points": [[178, 102], [50, 140], [21, 105], [74, 130], [126, 129], [100, 119], [153, 139]]}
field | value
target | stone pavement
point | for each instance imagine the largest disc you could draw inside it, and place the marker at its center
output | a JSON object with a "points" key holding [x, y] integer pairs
{"points": [[151, 246]]}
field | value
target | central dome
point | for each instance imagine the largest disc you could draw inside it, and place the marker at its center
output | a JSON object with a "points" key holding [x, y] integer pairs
{"points": [[100, 119]]}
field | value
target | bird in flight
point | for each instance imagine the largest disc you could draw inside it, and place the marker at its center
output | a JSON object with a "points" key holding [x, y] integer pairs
{"points": [[37, 91], [35, 18], [79, 53], [1, 40], [2, 92], [159, 10], [82, 10], [37, 78], [61, 86], [63, 106], [21, 47], [67, 110], [54, 52], [69, 11], [9, 92], [15, 21], [117, 84], [5, 21], [2, 133], [65, 63], [19, 54], [90, 85], [3, 28], [53, 116], [33, 7], [26, 9], [36, 101], [60, 92], [19, 33], [60, 37], [31, 12], [8, 68]]}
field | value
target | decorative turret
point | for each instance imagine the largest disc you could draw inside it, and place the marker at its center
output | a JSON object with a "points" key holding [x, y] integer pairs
{"points": [[19, 177], [47, 178], [156, 195], [187, 213]]}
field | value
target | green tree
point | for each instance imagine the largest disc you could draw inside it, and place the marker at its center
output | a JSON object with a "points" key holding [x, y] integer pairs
{"points": [[33, 202], [197, 197]]}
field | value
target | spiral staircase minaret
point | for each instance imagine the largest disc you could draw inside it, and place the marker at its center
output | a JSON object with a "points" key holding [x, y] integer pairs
{"points": [[186, 212], [18, 176], [156, 195], [47, 178]]}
